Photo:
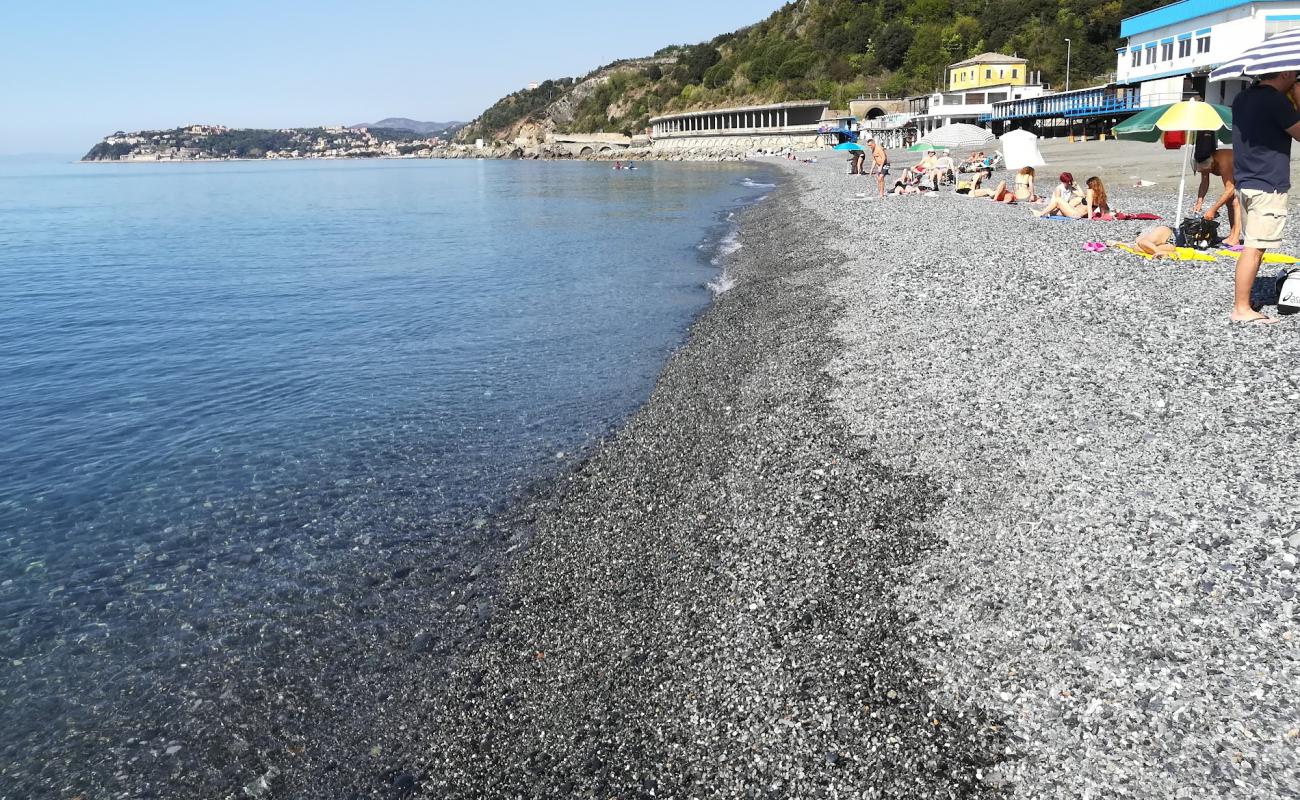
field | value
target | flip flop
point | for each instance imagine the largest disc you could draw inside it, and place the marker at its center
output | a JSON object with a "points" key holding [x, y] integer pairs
{"points": [[1253, 322]]}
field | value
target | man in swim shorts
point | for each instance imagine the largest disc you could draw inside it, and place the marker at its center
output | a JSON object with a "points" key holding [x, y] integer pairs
{"points": [[1220, 163], [881, 159], [1264, 123]]}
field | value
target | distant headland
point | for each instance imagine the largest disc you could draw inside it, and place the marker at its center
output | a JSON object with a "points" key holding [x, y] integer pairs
{"points": [[391, 138]]}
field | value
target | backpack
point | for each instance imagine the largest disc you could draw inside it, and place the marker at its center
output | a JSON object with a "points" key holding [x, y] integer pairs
{"points": [[1288, 291], [1197, 232]]}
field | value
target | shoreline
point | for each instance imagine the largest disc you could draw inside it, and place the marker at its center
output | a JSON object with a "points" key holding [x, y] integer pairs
{"points": [[707, 606]]}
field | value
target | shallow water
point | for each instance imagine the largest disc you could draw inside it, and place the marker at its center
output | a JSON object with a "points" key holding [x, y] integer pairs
{"points": [[237, 396]]}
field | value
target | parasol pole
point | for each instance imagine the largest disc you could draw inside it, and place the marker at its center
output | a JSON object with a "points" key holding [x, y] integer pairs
{"points": [[1182, 174]]}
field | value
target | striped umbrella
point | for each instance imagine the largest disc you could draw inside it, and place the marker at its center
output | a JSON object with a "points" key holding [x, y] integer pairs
{"points": [[959, 136], [1281, 53]]}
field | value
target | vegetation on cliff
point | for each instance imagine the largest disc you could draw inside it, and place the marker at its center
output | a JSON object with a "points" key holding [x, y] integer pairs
{"points": [[833, 50]]}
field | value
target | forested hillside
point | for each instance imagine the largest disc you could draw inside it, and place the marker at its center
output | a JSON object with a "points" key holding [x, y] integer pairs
{"points": [[835, 50]]}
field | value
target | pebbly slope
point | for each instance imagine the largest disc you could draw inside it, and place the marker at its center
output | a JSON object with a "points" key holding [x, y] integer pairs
{"points": [[708, 607], [1119, 467]]}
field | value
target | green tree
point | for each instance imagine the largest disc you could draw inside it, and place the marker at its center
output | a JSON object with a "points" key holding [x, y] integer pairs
{"points": [[892, 44]]}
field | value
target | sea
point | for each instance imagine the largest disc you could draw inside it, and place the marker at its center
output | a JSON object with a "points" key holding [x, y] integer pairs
{"points": [[261, 422]]}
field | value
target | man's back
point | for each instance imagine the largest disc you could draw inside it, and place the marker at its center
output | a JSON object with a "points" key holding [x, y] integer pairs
{"points": [[1260, 142]]}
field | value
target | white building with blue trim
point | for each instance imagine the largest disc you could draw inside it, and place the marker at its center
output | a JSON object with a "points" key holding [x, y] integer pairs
{"points": [[1169, 51], [1167, 56]]}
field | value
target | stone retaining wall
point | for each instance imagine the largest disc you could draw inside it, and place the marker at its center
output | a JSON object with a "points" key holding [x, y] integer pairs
{"points": [[724, 146]]}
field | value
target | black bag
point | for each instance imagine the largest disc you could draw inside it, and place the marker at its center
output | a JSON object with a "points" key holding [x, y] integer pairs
{"points": [[1197, 232]]}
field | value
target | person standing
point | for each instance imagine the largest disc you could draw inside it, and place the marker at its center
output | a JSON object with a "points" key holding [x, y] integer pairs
{"points": [[1264, 123], [880, 159], [1220, 163]]}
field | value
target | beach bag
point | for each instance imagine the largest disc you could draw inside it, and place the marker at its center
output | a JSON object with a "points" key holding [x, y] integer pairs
{"points": [[1197, 232], [1288, 291], [963, 187]]}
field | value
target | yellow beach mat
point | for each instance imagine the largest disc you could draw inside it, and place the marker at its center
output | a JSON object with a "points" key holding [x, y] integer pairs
{"points": [[1180, 254], [1269, 258]]}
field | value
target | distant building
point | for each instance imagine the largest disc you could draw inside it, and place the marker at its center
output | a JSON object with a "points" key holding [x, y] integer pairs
{"points": [[769, 127], [973, 86], [1169, 52], [987, 71], [533, 86]]}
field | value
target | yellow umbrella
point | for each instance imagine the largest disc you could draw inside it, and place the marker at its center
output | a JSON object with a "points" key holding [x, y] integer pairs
{"points": [[1189, 115]]}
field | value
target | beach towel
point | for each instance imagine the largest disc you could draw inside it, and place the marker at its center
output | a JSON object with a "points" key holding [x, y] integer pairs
{"points": [[1269, 258], [1121, 216], [1180, 254], [1064, 219]]}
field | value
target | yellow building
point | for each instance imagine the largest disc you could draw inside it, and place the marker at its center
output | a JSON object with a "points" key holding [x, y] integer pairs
{"points": [[989, 69]]}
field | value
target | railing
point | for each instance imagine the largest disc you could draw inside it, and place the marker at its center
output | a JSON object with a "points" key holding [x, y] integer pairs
{"points": [[1086, 103], [887, 122]]}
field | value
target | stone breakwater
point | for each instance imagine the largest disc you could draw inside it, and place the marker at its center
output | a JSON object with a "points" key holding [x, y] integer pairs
{"points": [[1118, 468]]}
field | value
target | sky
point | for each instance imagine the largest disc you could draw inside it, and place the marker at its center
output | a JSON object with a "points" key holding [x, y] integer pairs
{"points": [[73, 71]]}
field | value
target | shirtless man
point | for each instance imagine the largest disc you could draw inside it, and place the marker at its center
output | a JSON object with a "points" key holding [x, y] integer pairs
{"points": [[881, 161], [1220, 164]]}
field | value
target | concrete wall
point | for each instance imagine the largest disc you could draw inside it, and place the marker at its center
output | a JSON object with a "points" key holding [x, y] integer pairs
{"points": [[867, 109]]}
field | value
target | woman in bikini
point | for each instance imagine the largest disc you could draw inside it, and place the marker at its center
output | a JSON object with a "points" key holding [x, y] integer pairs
{"points": [[1095, 200], [1022, 193], [1067, 200], [1156, 241]]}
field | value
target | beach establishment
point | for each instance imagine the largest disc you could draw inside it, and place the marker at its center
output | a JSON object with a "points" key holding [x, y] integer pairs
{"points": [[1167, 56]]}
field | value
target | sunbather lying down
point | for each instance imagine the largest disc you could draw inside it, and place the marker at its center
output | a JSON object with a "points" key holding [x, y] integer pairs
{"points": [[1156, 241]]}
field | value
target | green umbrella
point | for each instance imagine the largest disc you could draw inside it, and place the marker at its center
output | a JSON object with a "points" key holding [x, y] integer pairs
{"points": [[1142, 125], [923, 145]]}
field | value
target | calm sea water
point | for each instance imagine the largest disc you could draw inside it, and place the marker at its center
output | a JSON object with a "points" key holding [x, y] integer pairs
{"points": [[238, 396]]}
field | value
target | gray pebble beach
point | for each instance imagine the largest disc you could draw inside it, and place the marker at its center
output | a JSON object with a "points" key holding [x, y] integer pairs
{"points": [[934, 503]]}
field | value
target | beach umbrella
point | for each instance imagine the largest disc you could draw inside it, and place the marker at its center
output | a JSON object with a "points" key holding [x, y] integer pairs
{"points": [[922, 146], [1020, 149], [1189, 116], [849, 146], [959, 136], [1280, 53], [1142, 125]]}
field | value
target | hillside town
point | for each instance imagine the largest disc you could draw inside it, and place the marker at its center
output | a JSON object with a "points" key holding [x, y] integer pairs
{"points": [[218, 142]]}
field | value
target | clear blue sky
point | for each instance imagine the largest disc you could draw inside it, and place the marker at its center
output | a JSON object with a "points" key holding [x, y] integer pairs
{"points": [[72, 71]]}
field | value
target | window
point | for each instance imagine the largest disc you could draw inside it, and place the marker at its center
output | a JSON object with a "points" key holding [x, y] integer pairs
{"points": [[1137, 58], [988, 74], [1167, 51], [1184, 48], [1203, 44], [1015, 74], [1151, 55], [1275, 25]]}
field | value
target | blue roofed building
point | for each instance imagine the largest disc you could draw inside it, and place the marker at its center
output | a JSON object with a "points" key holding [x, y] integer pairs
{"points": [[1167, 56], [1169, 52]]}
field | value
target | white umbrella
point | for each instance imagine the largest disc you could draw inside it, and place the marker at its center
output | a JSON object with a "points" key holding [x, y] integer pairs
{"points": [[1278, 54], [1020, 149], [959, 136]]}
